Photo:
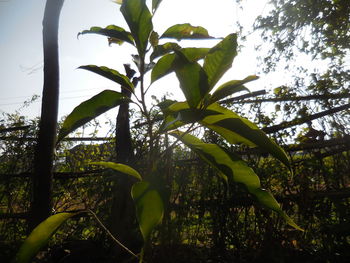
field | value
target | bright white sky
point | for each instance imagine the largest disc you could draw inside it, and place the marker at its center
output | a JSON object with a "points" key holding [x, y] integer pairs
{"points": [[21, 46]]}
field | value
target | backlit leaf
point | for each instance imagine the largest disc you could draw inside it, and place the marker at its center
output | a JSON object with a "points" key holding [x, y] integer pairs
{"points": [[186, 31], [155, 4], [219, 59], [39, 237], [166, 64], [193, 80], [149, 207], [236, 129], [90, 109], [183, 117], [125, 169], [163, 49], [230, 88], [165, 104], [139, 19], [228, 124], [111, 31], [233, 168], [111, 74]]}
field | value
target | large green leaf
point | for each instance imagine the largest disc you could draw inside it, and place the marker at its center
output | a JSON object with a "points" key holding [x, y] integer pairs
{"points": [[90, 109], [167, 63], [39, 237], [186, 31], [219, 59], [111, 74], [149, 207], [111, 31], [139, 19], [165, 104], [171, 122], [233, 168], [160, 50], [228, 124], [177, 114], [125, 169], [236, 129], [155, 4], [230, 88], [193, 80]]}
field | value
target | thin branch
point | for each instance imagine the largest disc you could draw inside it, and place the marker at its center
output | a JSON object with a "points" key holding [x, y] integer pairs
{"points": [[299, 98], [111, 235], [177, 140], [298, 121], [249, 95]]}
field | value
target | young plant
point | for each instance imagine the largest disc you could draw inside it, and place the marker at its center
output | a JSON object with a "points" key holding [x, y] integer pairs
{"points": [[200, 109]]}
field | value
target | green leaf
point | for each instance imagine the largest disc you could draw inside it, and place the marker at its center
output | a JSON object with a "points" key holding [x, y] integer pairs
{"points": [[90, 109], [167, 63], [230, 87], [177, 114], [185, 116], [266, 199], [219, 59], [149, 207], [111, 74], [111, 31], [139, 19], [165, 104], [125, 169], [186, 31], [231, 167], [228, 124], [193, 80], [163, 49], [155, 4], [236, 129], [39, 237], [154, 39]]}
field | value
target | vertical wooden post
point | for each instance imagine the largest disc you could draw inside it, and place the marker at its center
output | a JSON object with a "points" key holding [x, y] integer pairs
{"points": [[44, 153], [122, 217]]}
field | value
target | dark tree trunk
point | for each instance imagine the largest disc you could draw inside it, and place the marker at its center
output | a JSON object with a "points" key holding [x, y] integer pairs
{"points": [[43, 160], [124, 149], [123, 211]]}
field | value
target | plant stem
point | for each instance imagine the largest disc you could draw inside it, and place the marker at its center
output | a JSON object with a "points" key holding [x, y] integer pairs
{"points": [[178, 139], [111, 235], [145, 110]]}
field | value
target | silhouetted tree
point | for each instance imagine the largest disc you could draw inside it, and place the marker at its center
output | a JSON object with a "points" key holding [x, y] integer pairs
{"points": [[44, 154]]}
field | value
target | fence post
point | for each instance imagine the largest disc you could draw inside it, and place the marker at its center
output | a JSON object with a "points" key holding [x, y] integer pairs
{"points": [[43, 160]]}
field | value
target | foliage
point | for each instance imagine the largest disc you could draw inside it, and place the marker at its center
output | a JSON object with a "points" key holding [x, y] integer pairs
{"points": [[319, 28], [40, 236], [197, 82]]}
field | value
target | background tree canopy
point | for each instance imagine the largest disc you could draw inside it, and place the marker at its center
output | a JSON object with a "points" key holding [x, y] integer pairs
{"points": [[319, 28], [311, 39]]}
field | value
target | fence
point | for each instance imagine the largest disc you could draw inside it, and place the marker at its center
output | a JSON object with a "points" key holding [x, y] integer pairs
{"points": [[317, 180]]}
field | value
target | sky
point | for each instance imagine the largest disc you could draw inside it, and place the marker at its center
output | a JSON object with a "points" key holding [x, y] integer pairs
{"points": [[21, 55]]}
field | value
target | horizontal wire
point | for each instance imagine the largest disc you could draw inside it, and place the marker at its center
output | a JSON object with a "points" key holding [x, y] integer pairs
{"points": [[62, 98], [37, 101]]}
